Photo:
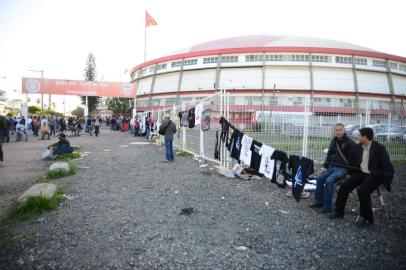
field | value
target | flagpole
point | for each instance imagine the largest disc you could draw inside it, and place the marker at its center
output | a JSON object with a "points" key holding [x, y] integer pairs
{"points": [[145, 41]]}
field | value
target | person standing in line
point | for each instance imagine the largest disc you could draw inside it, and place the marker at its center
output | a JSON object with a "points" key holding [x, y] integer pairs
{"points": [[169, 129], [3, 129], [136, 127], [52, 125], [97, 127]]}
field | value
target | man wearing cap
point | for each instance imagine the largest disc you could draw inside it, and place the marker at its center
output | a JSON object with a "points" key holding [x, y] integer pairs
{"points": [[61, 147], [168, 128]]}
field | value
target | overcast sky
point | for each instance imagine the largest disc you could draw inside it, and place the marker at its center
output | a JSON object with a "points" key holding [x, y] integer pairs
{"points": [[57, 35]]}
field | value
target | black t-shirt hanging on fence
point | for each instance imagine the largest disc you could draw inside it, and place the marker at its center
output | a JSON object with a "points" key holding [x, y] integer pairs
{"points": [[191, 118], [255, 157], [301, 168], [206, 119], [225, 125], [237, 143], [279, 173]]}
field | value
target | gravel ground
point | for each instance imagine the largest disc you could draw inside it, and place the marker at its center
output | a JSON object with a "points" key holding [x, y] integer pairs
{"points": [[122, 212]]}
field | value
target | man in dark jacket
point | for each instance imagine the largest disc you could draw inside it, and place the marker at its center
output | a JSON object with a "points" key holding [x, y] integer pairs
{"points": [[169, 129], [3, 128], [372, 169], [61, 147], [335, 168]]}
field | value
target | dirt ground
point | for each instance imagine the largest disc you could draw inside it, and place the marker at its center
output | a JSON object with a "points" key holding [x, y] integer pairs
{"points": [[23, 167]]}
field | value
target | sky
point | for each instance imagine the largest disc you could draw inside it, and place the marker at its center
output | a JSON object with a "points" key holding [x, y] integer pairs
{"points": [[57, 35]]}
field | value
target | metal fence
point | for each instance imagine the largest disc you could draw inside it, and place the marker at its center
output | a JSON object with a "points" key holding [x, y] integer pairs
{"points": [[304, 128]]}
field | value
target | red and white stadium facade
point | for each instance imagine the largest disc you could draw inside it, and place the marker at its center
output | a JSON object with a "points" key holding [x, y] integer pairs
{"points": [[257, 68]]}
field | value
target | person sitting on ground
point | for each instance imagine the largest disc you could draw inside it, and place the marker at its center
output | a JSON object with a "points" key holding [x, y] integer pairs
{"points": [[372, 168], [61, 147], [22, 133], [45, 131], [335, 168]]}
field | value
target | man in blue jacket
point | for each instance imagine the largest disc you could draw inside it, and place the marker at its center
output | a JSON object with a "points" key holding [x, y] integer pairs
{"points": [[335, 168]]}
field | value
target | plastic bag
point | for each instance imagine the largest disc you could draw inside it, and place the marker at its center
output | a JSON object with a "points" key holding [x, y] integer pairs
{"points": [[47, 154]]}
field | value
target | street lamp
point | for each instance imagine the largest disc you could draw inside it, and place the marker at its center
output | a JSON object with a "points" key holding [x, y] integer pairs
{"points": [[42, 95]]}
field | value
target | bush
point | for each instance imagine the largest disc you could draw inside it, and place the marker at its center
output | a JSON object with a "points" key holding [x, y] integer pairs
{"points": [[73, 155], [35, 206]]}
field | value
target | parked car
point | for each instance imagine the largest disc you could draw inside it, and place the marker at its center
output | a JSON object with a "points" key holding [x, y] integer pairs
{"points": [[393, 134], [377, 128], [349, 129]]}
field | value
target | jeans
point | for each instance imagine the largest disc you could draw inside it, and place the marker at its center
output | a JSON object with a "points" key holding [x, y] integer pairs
{"points": [[147, 132], [169, 149], [325, 184]]}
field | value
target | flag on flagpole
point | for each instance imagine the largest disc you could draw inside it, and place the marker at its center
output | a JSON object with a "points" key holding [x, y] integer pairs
{"points": [[149, 21]]}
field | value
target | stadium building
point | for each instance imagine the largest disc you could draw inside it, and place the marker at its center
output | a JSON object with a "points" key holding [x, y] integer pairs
{"points": [[256, 69]]}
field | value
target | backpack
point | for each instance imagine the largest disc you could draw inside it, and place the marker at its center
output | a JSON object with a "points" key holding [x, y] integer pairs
{"points": [[162, 130]]}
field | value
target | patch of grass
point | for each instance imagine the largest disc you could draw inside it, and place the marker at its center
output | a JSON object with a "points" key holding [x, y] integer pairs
{"points": [[35, 206], [181, 153], [55, 174], [68, 156]]}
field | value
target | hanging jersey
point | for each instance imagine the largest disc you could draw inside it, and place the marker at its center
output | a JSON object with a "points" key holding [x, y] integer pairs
{"points": [[245, 155], [301, 168], [191, 118], [280, 174], [225, 125], [206, 119], [184, 121], [236, 147], [267, 164], [255, 156], [198, 114]]}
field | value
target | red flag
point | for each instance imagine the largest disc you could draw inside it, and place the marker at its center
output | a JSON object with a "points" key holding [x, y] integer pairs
{"points": [[149, 21]]}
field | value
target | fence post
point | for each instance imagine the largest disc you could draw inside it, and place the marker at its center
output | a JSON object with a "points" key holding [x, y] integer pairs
{"points": [[201, 140], [368, 113], [183, 129], [389, 123], [305, 126]]}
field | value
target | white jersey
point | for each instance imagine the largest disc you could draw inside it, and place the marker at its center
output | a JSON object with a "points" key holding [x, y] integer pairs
{"points": [[245, 154], [267, 164]]}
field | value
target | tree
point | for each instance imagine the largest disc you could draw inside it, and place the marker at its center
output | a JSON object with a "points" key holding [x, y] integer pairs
{"points": [[78, 112], [120, 105], [90, 75], [34, 109]]}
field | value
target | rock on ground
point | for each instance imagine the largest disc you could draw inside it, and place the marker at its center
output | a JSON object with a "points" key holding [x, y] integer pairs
{"points": [[44, 189]]}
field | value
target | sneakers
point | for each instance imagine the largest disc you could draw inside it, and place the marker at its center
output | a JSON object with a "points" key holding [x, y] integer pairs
{"points": [[335, 215], [316, 205], [2, 164], [364, 223], [326, 210]]}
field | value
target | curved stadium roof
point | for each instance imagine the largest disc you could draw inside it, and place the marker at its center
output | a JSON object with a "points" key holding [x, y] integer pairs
{"points": [[268, 43]]}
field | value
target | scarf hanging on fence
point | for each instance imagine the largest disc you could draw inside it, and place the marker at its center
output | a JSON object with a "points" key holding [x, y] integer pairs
{"points": [[225, 125], [245, 154], [217, 147], [301, 168]]}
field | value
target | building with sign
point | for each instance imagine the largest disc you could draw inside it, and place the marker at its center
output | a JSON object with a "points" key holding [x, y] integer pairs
{"points": [[257, 68]]}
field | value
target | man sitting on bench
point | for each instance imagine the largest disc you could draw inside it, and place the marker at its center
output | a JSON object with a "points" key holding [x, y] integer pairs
{"points": [[335, 168], [372, 169]]}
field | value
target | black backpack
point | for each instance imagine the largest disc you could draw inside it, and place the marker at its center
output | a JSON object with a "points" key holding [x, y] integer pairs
{"points": [[162, 129]]}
